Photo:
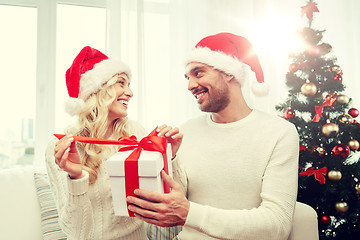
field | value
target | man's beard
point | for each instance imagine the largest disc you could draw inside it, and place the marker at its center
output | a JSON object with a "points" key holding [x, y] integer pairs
{"points": [[218, 100]]}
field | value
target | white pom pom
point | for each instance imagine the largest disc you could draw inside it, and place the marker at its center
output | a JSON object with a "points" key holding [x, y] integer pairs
{"points": [[260, 89], [73, 106]]}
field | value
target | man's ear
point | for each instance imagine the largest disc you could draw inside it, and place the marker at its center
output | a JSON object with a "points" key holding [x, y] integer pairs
{"points": [[229, 78]]}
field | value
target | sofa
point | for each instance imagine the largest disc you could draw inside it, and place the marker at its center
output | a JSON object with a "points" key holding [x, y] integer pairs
{"points": [[28, 211]]}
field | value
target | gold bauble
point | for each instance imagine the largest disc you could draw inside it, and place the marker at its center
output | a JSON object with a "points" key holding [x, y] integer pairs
{"points": [[357, 188], [353, 144], [330, 129], [342, 99], [341, 207], [308, 89], [334, 175], [337, 69], [345, 118]]}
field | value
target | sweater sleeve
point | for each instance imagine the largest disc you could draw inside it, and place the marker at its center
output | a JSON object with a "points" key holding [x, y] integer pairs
{"points": [[272, 220], [71, 198]]}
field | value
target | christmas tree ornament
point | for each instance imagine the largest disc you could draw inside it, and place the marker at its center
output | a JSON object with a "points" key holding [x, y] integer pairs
{"points": [[342, 99], [337, 69], [357, 188], [338, 77], [334, 175], [320, 150], [319, 174], [353, 112], [289, 113], [309, 10], [345, 118], [341, 150], [326, 220], [330, 129], [325, 48], [341, 207], [353, 144], [308, 89], [328, 102], [293, 67]]}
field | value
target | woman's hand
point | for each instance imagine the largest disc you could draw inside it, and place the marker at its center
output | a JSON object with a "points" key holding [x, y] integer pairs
{"points": [[67, 157], [172, 135]]}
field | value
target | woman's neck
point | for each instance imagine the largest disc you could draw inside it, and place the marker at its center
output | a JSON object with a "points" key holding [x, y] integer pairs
{"points": [[109, 131]]}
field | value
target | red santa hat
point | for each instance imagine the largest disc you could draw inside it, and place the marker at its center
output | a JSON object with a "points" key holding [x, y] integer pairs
{"points": [[90, 70], [228, 53]]}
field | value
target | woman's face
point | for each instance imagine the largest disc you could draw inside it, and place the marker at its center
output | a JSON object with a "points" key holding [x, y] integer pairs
{"points": [[118, 108]]}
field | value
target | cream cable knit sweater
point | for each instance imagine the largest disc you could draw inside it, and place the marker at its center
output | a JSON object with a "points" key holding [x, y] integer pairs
{"points": [[240, 178], [86, 211]]}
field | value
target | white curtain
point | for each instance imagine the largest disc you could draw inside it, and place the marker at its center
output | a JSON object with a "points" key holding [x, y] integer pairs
{"points": [[153, 37]]}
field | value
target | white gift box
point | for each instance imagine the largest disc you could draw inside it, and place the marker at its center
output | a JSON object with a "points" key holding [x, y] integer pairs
{"points": [[150, 164]]}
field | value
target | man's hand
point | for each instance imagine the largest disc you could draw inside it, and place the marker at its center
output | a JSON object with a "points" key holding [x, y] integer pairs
{"points": [[164, 210]]}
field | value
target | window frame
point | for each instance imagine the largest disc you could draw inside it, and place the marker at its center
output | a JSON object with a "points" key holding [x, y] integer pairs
{"points": [[45, 103], [46, 76]]}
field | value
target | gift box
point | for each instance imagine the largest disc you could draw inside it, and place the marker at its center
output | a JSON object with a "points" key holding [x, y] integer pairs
{"points": [[149, 163], [137, 165]]}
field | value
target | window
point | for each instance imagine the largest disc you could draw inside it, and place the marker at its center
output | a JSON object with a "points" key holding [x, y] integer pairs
{"points": [[18, 78], [77, 27]]}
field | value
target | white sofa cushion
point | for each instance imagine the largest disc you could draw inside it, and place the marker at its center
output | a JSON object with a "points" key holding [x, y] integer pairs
{"points": [[19, 205]]}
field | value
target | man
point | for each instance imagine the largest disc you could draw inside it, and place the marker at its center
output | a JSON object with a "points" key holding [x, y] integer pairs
{"points": [[237, 166]]}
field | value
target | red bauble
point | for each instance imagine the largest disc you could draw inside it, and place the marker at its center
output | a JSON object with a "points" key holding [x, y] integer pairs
{"points": [[289, 113], [338, 77], [353, 112], [326, 220], [293, 67], [341, 150]]}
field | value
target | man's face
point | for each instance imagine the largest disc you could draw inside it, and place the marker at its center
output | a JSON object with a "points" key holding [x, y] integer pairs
{"points": [[209, 87]]}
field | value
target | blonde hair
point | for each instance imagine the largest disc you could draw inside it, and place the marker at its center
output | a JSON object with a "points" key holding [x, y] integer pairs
{"points": [[93, 120]]}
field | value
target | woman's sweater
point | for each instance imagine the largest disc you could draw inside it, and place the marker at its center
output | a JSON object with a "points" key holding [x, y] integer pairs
{"points": [[86, 211]]}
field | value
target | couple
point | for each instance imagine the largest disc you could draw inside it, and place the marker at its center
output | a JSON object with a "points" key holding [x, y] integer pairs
{"points": [[235, 174]]}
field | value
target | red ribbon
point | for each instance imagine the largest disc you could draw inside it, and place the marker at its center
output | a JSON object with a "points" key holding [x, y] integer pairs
{"points": [[149, 143], [328, 102], [319, 174]]}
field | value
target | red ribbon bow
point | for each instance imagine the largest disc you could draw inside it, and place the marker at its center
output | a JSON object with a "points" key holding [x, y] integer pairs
{"points": [[304, 148], [328, 102], [319, 174], [149, 143]]}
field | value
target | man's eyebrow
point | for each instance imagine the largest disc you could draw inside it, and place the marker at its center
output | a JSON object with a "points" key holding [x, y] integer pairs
{"points": [[195, 69]]}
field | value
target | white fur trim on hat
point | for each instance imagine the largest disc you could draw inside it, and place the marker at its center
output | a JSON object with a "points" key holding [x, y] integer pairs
{"points": [[219, 61], [92, 80], [73, 106]]}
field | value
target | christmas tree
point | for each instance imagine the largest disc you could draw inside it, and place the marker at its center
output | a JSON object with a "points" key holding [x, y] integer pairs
{"points": [[329, 167]]}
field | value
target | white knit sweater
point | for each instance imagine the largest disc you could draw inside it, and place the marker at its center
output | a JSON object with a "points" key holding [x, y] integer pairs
{"points": [[240, 177], [86, 211]]}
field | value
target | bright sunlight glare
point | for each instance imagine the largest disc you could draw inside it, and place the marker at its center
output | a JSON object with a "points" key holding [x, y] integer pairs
{"points": [[276, 35]]}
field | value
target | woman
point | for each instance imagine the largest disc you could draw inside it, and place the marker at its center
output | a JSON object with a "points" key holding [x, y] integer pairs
{"points": [[99, 94]]}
